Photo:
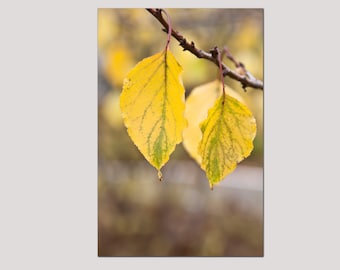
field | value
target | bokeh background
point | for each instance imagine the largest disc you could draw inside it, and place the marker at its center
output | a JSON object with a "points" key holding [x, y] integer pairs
{"points": [[180, 216]]}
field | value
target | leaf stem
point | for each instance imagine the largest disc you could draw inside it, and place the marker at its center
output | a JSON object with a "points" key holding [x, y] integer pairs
{"points": [[169, 29], [221, 72]]}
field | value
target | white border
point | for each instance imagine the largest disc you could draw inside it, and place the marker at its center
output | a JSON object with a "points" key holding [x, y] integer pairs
{"points": [[48, 142]]}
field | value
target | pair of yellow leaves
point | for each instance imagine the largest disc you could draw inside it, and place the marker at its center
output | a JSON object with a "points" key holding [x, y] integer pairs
{"points": [[216, 130]]}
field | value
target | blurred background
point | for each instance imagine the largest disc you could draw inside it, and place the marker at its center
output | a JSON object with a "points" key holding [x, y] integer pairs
{"points": [[180, 216]]}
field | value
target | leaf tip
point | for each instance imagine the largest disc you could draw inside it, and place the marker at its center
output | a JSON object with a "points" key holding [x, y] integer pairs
{"points": [[211, 186], [160, 175]]}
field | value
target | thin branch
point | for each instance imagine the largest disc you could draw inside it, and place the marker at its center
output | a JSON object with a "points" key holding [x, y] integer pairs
{"points": [[245, 80]]}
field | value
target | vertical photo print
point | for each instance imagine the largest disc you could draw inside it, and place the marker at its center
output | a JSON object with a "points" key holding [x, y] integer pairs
{"points": [[180, 132]]}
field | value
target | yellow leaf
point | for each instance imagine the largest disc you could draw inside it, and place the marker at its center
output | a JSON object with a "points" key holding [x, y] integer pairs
{"points": [[228, 134], [152, 106], [200, 100], [118, 61]]}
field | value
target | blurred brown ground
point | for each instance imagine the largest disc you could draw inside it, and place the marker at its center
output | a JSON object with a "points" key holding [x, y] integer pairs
{"points": [[180, 216]]}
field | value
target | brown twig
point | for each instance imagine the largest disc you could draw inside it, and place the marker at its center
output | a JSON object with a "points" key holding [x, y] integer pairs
{"points": [[245, 80]]}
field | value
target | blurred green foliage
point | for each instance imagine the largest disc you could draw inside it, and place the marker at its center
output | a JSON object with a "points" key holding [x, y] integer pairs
{"points": [[137, 215]]}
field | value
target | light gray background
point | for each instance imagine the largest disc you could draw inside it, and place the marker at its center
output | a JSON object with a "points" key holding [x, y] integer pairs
{"points": [[48, 137]]}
